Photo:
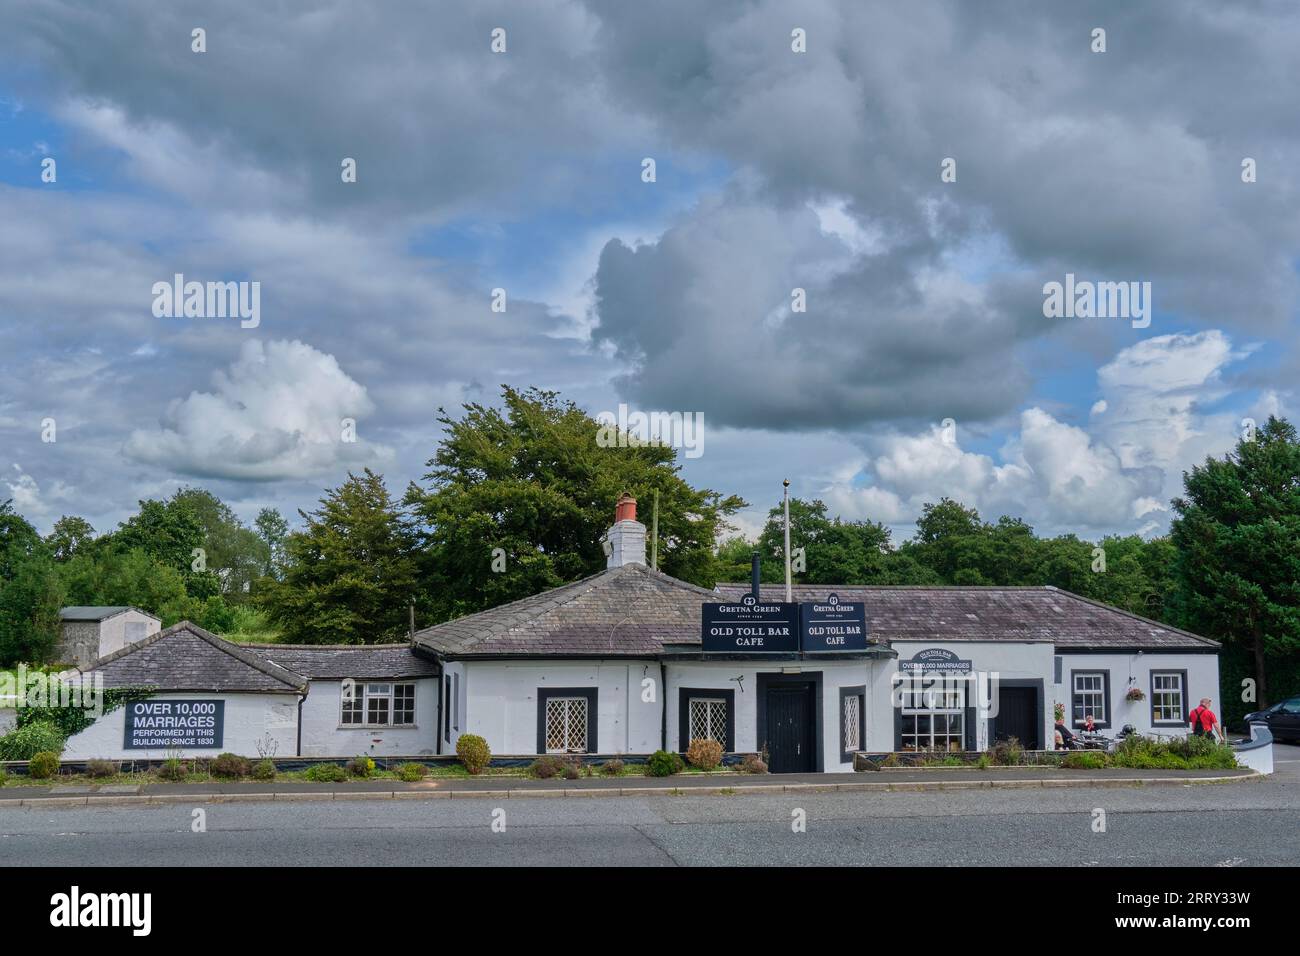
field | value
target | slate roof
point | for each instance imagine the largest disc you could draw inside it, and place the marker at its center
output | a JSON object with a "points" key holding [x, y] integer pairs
{"points": [[1047, 614], [358, 661], [186, 657], [92, 613], [629, 611]]}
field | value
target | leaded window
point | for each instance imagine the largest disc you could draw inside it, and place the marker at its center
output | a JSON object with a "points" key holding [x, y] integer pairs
{"points": [[852, 723], [566, 725], [708, 719]]}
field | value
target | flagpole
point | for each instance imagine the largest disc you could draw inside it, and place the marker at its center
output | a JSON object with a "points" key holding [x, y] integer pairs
{"points": [[786, 485]]}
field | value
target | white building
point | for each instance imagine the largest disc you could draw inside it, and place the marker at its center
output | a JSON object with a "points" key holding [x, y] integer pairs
{"points": [[617, 663], [207, 695], [89, 633]]}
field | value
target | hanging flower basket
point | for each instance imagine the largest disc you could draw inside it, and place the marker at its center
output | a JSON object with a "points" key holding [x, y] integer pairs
{"points": [[1135, 694]]}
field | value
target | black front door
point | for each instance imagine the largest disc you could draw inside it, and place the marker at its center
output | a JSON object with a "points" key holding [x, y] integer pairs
{"points": [[790, 741], [1017, 716]]}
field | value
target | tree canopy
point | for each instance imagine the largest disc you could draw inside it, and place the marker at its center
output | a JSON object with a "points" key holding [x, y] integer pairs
{"points": [[516, 501], [1236, 536]]}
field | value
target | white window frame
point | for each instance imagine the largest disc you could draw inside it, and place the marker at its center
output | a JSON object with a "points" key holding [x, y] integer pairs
{"points": [[366, 691], [944, 698], [1089, 699], [1180, 703]]}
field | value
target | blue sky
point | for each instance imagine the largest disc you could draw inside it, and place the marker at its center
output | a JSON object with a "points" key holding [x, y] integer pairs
{"points": [[775, 171]]}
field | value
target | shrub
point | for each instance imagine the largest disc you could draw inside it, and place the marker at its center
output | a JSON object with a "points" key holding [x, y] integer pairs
{"points": [[4, 775], [546, 767], [360, 766], [891, 760], [102, 768], [751, 763], [43, 765], [412, 772], [173, 768], [1007, 753], [264, 769], [572, 770], [326, 773], [230, 766], [473, 752], [24, 743], [1084, 760], [983, 763], [612, 768], [1189, 753], [664, 763], [704, 753]]}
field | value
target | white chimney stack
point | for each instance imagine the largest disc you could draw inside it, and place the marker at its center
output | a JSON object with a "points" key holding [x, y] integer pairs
{"points": [[625, 541]]}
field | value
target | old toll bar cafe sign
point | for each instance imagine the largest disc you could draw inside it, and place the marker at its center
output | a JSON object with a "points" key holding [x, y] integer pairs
{"points": [[780, 627], [833, 625], [750, 627]]}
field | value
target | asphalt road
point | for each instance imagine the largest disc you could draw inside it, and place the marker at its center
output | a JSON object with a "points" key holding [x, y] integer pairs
{"points": [[1250, 824]]}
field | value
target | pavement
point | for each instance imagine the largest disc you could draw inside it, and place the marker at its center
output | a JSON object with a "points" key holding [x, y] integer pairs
{"points": [[1181, 823], [939, 778]]}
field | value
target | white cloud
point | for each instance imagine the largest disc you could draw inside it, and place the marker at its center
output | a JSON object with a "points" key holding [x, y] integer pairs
{"points": [[277, 413], [1115, 475]]}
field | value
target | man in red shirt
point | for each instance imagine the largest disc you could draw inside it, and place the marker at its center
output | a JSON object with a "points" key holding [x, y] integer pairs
{"points": [[1203, 722]]}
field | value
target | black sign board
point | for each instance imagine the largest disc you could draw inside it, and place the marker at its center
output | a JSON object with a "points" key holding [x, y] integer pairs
{"points": [[165, 724], [833, 625], [750, 627]]}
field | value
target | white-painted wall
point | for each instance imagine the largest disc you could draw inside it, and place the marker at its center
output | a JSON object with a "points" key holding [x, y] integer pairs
{"points": [[1000, 660], [324, 736], [721, 675], [83, 642], [248, 718], [1202, 680], [499, 702]]}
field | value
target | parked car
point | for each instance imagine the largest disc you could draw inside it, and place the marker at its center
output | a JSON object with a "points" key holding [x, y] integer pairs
{"points": [[1283, 719]]}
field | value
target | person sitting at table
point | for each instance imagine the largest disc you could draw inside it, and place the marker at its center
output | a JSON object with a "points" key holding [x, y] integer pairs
{"points": [[1064, 739], [1089, 727]]}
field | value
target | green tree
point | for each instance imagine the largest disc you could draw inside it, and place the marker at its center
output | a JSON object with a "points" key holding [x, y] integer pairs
{"points": [[236, 554], [172, 533], [273, 530], [516, 501], [70, 536], [350, 573], [116, 576], [1237, 534], [733, 560], [30, 596], [834, 551]]}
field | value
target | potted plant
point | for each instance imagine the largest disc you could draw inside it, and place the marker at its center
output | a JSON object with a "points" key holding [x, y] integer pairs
{"points": [[1135, 694], [1058, 711]]}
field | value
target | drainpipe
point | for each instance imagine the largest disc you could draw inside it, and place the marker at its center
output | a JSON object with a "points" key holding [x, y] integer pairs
{"points": [[663, 706], [301, 698]]}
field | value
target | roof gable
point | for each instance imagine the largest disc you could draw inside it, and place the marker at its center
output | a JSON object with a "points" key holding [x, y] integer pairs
{"points": [[99, 612], [628, 611], [186, 657]]}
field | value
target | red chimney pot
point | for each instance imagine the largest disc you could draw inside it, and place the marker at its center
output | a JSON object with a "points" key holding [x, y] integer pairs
{"points": [[625, 510]]}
